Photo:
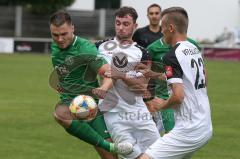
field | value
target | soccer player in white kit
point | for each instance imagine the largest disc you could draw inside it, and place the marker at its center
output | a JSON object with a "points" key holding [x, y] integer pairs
{"points": [[184, 68], [126, 115]]}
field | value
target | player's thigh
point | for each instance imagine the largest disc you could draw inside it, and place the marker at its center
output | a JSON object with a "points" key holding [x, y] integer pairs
{"points": [[99, 125], [62, 114], [147, 134], [122, 131], [169, 147]]}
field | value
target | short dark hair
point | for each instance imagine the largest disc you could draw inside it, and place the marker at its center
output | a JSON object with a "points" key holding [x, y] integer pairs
{"points": [[123, 11], [154, 5], [178, 16], [59, 18]]}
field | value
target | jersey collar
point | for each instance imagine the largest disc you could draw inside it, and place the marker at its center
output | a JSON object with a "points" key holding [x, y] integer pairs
{"points": [[74, 40], [115, 39]]}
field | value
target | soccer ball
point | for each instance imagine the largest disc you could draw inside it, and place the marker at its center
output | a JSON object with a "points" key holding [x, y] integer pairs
{"points": [[83, 107]]}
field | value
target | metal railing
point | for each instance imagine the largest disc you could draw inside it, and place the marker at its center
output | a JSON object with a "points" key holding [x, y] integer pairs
{"points": [[19, 22]]}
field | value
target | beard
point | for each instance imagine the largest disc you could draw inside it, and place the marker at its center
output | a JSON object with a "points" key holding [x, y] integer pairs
{"points": [[124, 37], [155, 23]]}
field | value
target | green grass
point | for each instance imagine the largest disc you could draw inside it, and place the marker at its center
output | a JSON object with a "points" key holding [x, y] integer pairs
{"points": [[224, 95], [27, 128], [28, 131]]}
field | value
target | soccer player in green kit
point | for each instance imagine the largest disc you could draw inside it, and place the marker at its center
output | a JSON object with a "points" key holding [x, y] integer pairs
{"points": [[75, 59], [157, 50]]}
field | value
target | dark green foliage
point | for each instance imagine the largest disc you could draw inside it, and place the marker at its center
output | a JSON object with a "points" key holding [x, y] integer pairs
{"points": [[39, 6]]}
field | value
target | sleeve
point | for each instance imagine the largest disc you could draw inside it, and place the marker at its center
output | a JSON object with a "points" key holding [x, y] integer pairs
{"points": [[95, 61], [146, 58], [172, 67]]}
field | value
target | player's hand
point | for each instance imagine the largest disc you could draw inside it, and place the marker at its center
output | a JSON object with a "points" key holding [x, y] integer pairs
{"points": [[145, 70], [148, 73], [155, 104], [99, 92], [141, 66], [150, 106], [115, 74]]}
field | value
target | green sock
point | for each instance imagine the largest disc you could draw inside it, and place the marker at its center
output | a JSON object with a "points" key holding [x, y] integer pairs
{"points": [[83, 131]]}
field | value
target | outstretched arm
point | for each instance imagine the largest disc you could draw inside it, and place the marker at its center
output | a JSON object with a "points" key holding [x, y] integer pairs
{"points": [[106, 83], [148, 73], [135, 80], [175, 99]]}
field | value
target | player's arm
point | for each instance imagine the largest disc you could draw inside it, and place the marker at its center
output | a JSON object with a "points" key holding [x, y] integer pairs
{"points": [[135, 80], [106, 82], [148, 73], [138, 84], [175, 99], [99, 65], [174, 74]]}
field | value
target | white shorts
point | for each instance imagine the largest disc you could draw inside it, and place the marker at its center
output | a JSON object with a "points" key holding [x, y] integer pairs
{"points": [[135, 128], [172, 147]]}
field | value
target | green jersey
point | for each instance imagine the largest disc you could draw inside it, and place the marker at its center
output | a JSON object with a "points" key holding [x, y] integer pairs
{"points": [[76, 68], [157, 50]]}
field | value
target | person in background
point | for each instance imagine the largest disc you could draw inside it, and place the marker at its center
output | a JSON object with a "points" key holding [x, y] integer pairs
{"points": [[148, 34], [144, 37]]}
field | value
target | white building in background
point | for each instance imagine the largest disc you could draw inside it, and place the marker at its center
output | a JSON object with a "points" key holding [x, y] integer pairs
{"points": [[208, 18], [83, 5]]}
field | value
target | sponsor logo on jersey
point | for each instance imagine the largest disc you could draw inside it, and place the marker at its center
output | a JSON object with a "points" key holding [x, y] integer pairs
{"points": [[120, 60], [69, 60], [61, 70], [110, 45]]}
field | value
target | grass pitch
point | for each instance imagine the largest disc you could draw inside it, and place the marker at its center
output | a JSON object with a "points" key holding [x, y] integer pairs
{"points": [[28, 130]]}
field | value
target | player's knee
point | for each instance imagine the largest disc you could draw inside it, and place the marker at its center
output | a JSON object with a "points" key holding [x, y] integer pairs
{"points": [[143, 156], [62, 116], [62, 121], [57, 118]]}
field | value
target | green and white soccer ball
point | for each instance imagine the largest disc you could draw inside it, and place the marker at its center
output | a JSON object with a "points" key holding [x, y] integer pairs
{"points": [[83, 107]]}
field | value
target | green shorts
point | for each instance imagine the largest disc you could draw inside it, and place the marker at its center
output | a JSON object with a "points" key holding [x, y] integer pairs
{"points": [[168, 119], [98, 123]]}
